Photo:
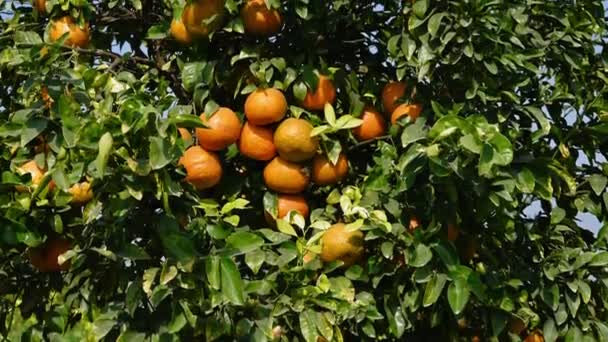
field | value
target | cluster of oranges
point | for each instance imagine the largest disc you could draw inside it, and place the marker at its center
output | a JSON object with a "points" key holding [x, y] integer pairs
{"points": [[286, 145], [200, 18]]}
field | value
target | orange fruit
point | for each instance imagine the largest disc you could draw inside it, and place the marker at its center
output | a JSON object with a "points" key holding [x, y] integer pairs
{"points": [[283, 176], [293, 141], [325, 93], [414, 224], [77, 36], [339, 244], [256, 142], [259, 19], [45, 257], [326, 173], [516, 325], [203, 168], [35, 172], [184, 133], [179, 32], [40, 6], [287, 203], [392, 92], [224, 129], [265, 106], [536, 336], [413, 110], [81, 193], [373, 125], [201, 17], [452, 232]]}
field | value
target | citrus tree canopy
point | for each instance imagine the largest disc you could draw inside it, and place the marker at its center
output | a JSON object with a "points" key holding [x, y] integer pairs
{"points": [[303, 170]]}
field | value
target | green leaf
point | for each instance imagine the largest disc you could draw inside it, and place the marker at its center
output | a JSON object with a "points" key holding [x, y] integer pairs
{"points": [[574, 334], [105, 148], [471, 143], [445, 127], [27, 37], [598, 183], [421, 256], [330, 114], [286, 228], [244, 241], [435, 22], [308, 327], [458, 295], [413, 133], [159, 153], [102, 327], [212, 270], [599, 260], [557, 215], [420, 7], [239, 203], [32, 129], [543, 122], [550, 332], [485, 160], [433, 289], [525, 181], [232, 284]]}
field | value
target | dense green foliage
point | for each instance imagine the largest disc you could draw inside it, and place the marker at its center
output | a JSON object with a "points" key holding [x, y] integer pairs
{"points": [[515, 112]]}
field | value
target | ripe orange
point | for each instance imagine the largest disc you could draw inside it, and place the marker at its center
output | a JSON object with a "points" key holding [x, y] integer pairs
{"points": [[339, 244], [45, 257], [77, 36], [265, 106], [283, 176], [325, 93], [256, 142], [293, 141], [35, 172], [413, 110], [40, 6], [224, 129], [184, 133], [326, 173], [392, 92], [414, 224], [81, 193], [373, 125], [452, 232], [203, 16], [287, 203], [179, 32], [203, 168], [536, 336], [259, 19]]}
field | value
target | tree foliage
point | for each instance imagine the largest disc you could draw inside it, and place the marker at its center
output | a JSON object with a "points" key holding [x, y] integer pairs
{"points": [[515, 102]]}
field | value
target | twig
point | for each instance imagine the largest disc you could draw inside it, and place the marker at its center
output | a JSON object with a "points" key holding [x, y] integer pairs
{"points": [[370, 141]]}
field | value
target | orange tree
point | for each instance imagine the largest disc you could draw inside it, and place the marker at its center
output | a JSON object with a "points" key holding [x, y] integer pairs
{"points": [[377, 191]]}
